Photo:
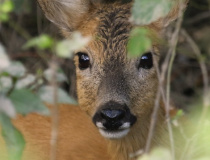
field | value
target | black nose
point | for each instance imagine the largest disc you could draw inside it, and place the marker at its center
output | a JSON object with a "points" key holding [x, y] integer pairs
{"points": [[112, 114]]}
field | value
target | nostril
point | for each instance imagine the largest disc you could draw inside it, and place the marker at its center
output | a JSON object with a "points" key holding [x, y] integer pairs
{"points": [[112, 114]]}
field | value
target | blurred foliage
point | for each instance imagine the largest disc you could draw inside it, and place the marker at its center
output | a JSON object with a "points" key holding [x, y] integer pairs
{"points": [[192, 138], [150, 10], [42, 42], [22, 92], [139, 42], [6, 7]]}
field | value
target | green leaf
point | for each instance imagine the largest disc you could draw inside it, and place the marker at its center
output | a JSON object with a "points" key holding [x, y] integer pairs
{"points": [[157, 154], [42, 42], [14, 140], [144, 12], [7, 107], [7, 6], [4, 17], [26, 102], [47, 95], [16, 69], [139, 42]]}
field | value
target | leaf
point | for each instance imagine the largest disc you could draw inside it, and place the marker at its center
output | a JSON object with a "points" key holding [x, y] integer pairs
{"points": [[42, 42], [157, 154], [4, 60], [47, 95], [5, 84], [26, 81], [48, 74], [26, 102], [7, 6], [139, 42], [14, 140], [16, 69], [7, 107], [144, 12], [4, 17], [66, 48]]}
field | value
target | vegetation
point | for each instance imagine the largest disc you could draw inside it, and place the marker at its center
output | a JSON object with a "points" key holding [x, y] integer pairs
{"points": [[23, 90]]}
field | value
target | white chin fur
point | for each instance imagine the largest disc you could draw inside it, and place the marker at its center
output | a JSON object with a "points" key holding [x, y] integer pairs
{"points": [[114, 134]]}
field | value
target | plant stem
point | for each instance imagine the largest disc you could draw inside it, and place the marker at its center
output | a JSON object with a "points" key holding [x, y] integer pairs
{"points": [[55, 114]]}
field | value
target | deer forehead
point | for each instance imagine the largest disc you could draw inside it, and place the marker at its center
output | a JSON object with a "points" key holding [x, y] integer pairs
{"points": [[109, 27]]}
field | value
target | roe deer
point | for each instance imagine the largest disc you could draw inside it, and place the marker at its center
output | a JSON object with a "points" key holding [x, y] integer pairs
{"points": [[116, 93]]}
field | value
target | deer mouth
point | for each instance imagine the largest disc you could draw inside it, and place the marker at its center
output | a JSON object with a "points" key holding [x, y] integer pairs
{"points": [[114, 134]]}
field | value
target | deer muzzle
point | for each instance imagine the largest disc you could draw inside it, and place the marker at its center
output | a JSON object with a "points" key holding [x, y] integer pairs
{"points": [[114, 120]]}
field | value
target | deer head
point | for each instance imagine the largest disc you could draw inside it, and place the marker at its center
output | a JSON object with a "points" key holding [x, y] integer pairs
{"points": [[116, 91]]}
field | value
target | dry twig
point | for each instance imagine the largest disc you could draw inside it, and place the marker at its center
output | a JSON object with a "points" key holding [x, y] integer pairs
{"points": [[55, 115]]}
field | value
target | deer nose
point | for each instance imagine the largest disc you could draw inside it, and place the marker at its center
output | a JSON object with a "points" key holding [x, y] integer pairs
{"points": [[112, 119], [112, 114]]}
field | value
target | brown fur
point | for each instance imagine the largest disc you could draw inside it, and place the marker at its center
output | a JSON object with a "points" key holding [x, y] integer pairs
{"points": [[78, 138], [112, 76]]}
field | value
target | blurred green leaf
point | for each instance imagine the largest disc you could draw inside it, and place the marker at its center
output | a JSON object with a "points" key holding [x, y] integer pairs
{"points": [[42, 42], [157, 154], [26, 102], [47, 95], [178, 115], [14, 140], [144, 12], [139, 42], [4, 17], [7, 6]]}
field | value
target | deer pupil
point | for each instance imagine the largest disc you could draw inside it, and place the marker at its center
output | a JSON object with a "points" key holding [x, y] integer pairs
{"points": [[84, 61], [146, 61]]}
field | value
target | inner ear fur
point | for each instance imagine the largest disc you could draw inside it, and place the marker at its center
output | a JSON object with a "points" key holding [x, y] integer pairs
{"points": [[66, 14]]}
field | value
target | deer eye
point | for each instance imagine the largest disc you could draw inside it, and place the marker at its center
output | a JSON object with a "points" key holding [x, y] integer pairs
{"points": [[84, 60], [146, 61]]}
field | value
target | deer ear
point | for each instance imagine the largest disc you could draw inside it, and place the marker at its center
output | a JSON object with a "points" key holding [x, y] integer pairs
{"points": [[179, 6], [66, 14]]}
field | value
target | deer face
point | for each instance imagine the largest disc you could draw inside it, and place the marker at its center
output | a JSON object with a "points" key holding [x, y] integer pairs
{"points": [[116, 91]]}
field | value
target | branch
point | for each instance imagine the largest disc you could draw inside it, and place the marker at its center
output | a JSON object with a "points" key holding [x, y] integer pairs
{"points": [[55, 114]]}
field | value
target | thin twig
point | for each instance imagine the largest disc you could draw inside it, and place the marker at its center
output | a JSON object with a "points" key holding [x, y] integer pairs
{"points": [[204, 71], [172, 51], [198, 18], [55, 115], [206, 102], [39, 18], [19, 30], [160, 91]]}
